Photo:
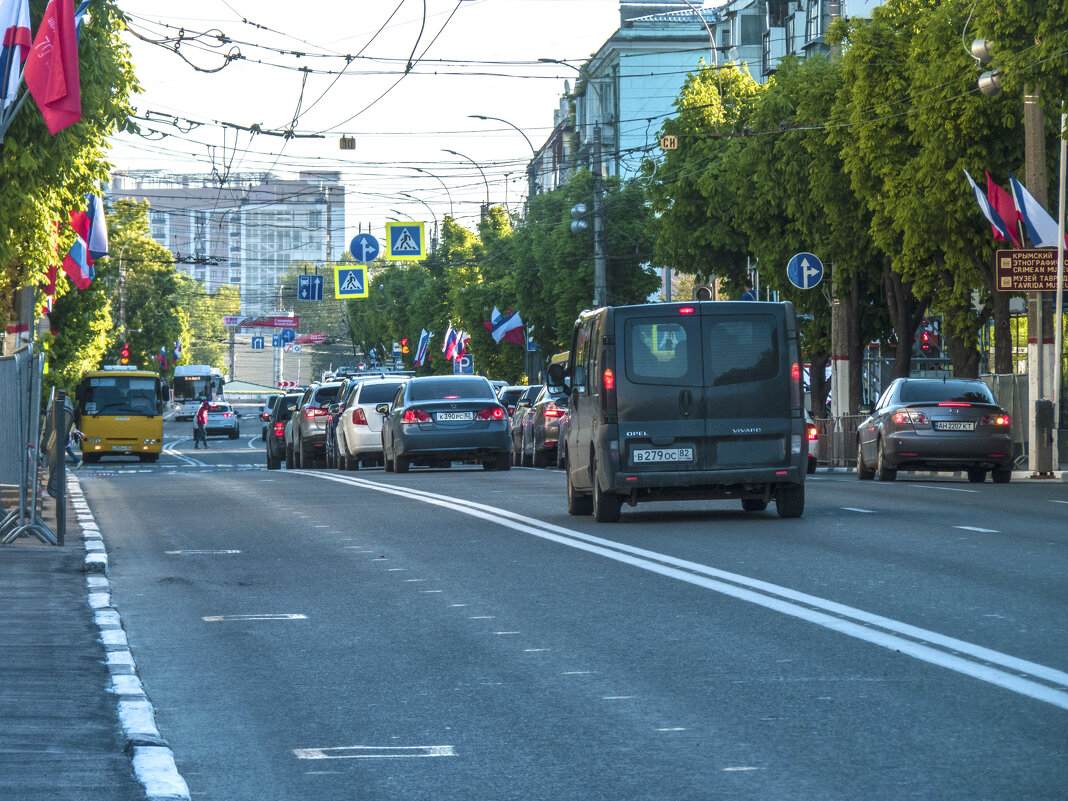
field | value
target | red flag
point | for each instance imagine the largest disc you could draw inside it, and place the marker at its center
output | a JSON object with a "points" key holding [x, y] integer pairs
{"points": [[52, 67], [1006, 208]]}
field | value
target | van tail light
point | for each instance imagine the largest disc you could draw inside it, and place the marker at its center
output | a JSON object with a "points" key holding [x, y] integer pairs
{"points": [[552, 410], [812, 435], [1001, 420], [314, 411], [686, 310], [279, 429], [491, 413], [609, 379], [358, 417], [608, 385], [415, 416]]}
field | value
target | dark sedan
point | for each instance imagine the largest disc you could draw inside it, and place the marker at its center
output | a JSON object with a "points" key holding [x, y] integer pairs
{"points": [[936, 424], [542, 433], [276, 429], [436, 420]]}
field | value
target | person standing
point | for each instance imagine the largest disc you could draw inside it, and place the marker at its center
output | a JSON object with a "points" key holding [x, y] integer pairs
{"points": [[750, 293], [200, 426]]}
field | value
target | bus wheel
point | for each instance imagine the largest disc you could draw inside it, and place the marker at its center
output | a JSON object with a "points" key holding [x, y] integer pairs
{"points": [[149, 457]]}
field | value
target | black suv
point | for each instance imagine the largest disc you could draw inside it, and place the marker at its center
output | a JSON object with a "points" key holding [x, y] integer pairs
{"points": [[284, 406], [684, 401]]}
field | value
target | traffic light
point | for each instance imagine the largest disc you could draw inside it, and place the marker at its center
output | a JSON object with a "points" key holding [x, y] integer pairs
{"points": [[124, 354], [404, 345]]}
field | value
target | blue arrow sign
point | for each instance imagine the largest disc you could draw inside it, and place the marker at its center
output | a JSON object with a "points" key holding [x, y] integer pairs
{"points": [[257, 343], [288, 335], [364, 248], [310, 287], [804, 270]]}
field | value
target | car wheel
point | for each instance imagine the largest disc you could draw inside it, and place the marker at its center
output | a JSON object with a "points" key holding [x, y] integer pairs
{"points": [[976, 476], [528, 459], [516, 457], [503, 461], [885, 473], [754, 504], [863, 473], [811, 465], [272, 463], [291, 463], [388, 464], [236, 433], [606, 505], [577, 504], [1001, 475], [790, 501], [401, 464]]}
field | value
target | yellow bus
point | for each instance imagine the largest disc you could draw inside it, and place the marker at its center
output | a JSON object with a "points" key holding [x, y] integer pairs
{"points": [[119, 411]]}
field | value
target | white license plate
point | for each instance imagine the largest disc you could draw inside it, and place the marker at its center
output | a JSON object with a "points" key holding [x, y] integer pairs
{"points": [[451, 416], [644, 455], [120, 447], [955, 426]]}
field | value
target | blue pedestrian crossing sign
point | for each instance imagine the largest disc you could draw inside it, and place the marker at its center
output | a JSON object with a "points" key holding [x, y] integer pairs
{"points": [[405, 241], [804, 270], [310, 287], [350, 282], [257, 343], [364, 248]]}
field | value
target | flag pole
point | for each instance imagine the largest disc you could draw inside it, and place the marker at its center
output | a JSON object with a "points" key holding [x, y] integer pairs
{"points": [[1058, 333]]}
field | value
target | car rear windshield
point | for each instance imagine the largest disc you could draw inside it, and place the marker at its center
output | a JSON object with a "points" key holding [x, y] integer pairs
{"points": [[378, 393], [741, 349], [451, 388], [286, 408], [935, 391], [326, 394], [509, 396]]}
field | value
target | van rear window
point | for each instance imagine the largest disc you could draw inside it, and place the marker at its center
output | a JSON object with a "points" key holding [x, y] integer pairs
{"points": [[660, 351], [741, 349]]}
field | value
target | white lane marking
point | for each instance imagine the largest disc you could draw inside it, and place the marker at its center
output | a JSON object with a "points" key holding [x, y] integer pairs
{"points": [[980, 530], [375, 752], [534, 650], [429, 592], [675, 728], [198, 553], [862, 511], [1019, 675], [252, 443], [483, 617], [579, 672], [221, 618], [1053, 501], [616, 697], [169, 449], [728, 770], [944, 489]]}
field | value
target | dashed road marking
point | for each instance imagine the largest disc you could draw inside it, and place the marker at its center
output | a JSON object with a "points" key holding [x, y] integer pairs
{"points": [[376, 752], [199, 553], [228, 618], [980, 530], [862, 511]]}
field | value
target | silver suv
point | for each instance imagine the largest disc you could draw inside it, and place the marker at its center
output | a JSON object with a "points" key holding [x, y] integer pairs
{"points": [[306, 430]]}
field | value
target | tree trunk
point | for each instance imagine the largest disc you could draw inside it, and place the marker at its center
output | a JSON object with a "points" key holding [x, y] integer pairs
{"points": [[856, 346], [1002, 334], [819, 385], [963, 351], [906, 312]]}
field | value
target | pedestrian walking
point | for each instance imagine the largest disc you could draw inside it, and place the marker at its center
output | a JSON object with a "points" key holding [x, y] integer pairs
{"points": [[200, 425], [74, 440]]}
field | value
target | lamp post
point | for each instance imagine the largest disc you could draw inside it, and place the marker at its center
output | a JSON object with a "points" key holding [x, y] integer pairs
{"points": [[485, 208], [531, 184], [444, 186]]}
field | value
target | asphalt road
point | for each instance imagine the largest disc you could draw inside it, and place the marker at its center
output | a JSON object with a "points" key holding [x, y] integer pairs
{"points": [[456, 635]]}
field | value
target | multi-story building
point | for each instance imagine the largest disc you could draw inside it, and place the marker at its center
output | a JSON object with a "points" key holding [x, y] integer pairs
{"points": [[245, 232]]}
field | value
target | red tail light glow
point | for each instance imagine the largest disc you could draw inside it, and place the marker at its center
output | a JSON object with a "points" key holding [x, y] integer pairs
{"points": [[686, 310], [415, 416], [812, 435], [228, 414], [358, 417], [552, 410], [996, 420], [491, 413], [609, 379], [279, 429], [910, 416], [953, 403], [314, 411]]}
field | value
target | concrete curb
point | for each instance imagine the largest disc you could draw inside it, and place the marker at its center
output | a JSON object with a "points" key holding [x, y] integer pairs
{"points": [[1017, 475], [152, 758]]}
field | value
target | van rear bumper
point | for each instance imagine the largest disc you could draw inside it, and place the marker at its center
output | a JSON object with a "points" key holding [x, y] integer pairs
{"points": [[706, 484]]}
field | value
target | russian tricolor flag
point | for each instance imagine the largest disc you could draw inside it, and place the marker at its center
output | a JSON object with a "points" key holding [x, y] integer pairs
{"points": [[91, 244]]}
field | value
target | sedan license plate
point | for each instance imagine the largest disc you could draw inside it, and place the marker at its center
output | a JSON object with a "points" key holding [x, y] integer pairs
{"points": [[645, 455], [954, 425], [452, 416]]}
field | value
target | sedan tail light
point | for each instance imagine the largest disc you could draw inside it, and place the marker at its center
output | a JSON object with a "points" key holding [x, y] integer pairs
{"points": [[358, 417], [314, 411], [996, 420], [552, 410], [911, 416], [415, 416], [491, 413]]}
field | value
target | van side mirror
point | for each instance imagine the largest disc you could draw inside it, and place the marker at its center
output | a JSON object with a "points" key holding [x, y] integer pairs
{"points": [[556, 377]]}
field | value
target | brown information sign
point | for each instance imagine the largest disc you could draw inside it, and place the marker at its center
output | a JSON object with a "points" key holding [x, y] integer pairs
{"points": [[1031, 270]]}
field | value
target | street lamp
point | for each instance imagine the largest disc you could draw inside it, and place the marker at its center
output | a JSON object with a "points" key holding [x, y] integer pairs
{"points": [[531, 184], [444, 186], [483, 174], [434, 236]]}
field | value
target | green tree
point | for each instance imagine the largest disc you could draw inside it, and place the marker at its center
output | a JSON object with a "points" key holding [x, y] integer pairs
{"points": [[44, 177]]}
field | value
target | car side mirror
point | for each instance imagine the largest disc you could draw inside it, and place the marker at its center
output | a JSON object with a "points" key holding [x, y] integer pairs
{"points": [[334, 408], [382, 408], [865, 408]]}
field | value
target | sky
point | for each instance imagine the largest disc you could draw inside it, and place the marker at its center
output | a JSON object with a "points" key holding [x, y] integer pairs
{"points": [[470, 57]]}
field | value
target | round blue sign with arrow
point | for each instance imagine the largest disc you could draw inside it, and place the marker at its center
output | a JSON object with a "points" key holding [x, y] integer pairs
{"points": [[804, 270], [364, 248], [288, 334]]}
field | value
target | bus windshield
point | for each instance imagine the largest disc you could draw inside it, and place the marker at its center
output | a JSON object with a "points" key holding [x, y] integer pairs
{"points": [[119, 394]]}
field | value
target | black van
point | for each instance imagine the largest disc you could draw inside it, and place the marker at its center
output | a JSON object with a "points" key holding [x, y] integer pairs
{"points": [[684, 401]]}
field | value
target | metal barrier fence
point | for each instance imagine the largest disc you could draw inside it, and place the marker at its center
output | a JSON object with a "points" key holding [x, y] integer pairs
{"points": [[21, 453], [838, 440]]}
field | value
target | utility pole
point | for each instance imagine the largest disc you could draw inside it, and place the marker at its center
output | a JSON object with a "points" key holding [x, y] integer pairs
{"points": [[233, 343], [600, 278]]}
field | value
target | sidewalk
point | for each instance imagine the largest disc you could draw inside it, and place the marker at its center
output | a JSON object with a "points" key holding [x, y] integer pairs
{"points": [[60, 734]]}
